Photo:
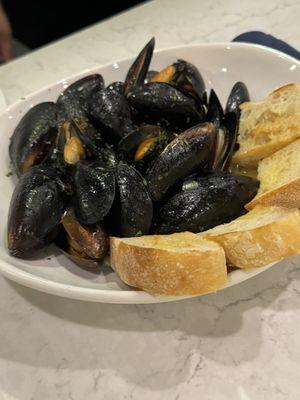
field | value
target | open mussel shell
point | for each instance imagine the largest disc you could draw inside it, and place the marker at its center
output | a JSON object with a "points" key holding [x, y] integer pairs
{"points": [[211, 200], [110, 113], [65, 245], [189, 80], [130, 142], [239, 94], [94, 191], [73, 101], [138, 70], [150, 74], [225, 143], [162, 103], [215, 111], [132, 212], [190, 151], [185, 77], [34, 137], [230, 123], [36, 209], [85, 86], [91, 240]]}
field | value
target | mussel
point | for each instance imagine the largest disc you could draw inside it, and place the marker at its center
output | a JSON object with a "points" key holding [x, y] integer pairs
{"points": [[88, 242], [133, 206], [110, 113], [161, 103], [33, 138], [36, 209], [190, 151], [185, 77], [142, 146], [137, 72], [94, 191], [215, 111], [74, 100], [206, 202], [239, 94]]}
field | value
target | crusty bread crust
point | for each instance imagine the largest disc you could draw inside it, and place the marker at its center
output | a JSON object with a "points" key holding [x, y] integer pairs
{"points": [[262, 245], [284, 196], [171, 272], [269, 125]]}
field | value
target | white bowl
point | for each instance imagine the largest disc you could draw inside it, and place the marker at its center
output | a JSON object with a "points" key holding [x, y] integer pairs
{"points": [[221, 65]]}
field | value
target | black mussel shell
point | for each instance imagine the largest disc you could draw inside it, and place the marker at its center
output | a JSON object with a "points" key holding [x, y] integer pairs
{"points": [[73, 102], [230, 123], [110, 113], [130, 142], [133, 210], [91, 240], [162, 103], [206, 202], [84, 87], [239, 94], [215, 111], [89, 136], [188, 79], [94, 189], [190, 151], [138, 70], [34, 137], [36, 209], [118, 86]]}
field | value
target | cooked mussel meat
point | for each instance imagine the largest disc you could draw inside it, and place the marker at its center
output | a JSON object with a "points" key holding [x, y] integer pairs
{"points": [[143, 144], [185, 77], [206, 202], [164, 104], [34, 137], [192, 150], [94, 191], [36, 209]]}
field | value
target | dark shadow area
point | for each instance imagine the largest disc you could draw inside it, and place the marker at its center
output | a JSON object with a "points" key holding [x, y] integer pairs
{"points": [[36, 23]]}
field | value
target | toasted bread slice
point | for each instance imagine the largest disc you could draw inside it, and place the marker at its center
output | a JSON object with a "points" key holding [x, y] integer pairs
{"points": [[279, 177], [269, 125], [178, 264], [263, 236]]}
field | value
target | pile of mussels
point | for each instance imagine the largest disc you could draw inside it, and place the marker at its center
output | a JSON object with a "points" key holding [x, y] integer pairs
{"points": [[147, 155]]}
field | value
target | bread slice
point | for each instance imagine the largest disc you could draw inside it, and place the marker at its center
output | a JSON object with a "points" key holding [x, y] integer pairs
{"points": [[279, 177], [263, 236], [268, 125], [172, 265]]}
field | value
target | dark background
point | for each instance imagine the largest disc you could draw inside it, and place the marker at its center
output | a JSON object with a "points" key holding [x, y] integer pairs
{"points": [[36, 23]]}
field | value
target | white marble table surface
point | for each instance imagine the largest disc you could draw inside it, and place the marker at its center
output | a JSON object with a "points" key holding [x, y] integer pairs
{"points": [[240, 344]]}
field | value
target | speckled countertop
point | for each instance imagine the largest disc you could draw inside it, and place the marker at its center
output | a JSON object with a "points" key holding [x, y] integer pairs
{"points": [[240, 344]]}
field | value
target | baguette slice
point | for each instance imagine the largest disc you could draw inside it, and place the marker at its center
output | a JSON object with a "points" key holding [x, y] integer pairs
{"points": [[173, 265], [263, 236], [268, 125], [279, 177]]}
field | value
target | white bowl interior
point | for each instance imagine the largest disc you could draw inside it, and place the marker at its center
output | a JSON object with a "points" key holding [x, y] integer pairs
{"points": [[221, 66]]}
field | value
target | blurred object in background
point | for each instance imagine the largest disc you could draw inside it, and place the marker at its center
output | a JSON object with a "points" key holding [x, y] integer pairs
{"points": [[38, 22], [5, 36]]}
